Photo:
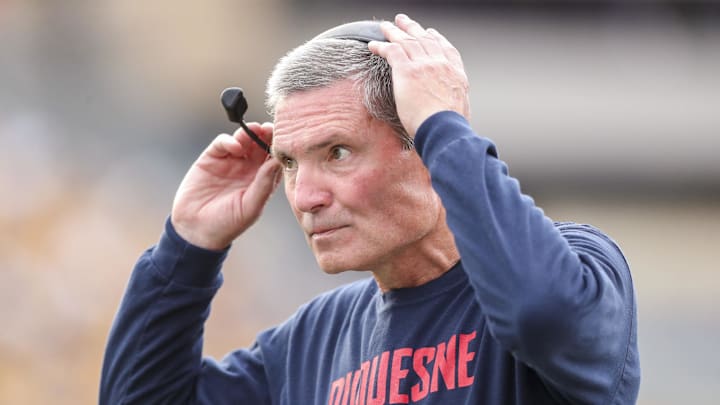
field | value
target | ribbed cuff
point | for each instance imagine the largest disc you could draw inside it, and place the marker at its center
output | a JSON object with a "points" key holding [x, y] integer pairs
{"points": [[187, 264], [442, 129]]}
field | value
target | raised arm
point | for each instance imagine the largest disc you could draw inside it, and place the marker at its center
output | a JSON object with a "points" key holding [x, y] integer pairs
{"points": [[558, 297], [154, 352]]}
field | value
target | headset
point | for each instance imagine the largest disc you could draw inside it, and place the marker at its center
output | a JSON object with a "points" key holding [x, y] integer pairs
{"points": [[234, 101]]}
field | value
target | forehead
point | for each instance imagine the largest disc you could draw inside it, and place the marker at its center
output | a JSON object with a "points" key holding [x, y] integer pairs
{"points": [[336, 108]]}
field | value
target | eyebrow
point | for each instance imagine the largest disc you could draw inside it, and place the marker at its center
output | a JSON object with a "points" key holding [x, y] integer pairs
{"points": [[322, 144]]}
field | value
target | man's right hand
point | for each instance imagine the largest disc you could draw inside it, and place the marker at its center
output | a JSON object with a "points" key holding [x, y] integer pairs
{"points": [[225, 190]]}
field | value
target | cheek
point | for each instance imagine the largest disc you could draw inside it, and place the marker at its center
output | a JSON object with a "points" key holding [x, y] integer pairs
{"points": [[412, 202], [393, 198], [367, 190]]}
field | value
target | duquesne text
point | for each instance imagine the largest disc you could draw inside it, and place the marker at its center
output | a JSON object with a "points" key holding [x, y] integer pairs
{"points": [[384, 379]]}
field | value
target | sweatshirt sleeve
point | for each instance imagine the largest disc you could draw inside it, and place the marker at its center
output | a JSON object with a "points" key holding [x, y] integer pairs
{"points": [[559, 297], [154, 351]]}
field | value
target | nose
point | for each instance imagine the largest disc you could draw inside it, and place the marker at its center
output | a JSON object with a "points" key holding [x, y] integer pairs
{"points": [[311, 191]]}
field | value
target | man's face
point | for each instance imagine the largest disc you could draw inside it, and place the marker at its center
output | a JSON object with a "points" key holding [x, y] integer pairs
{"points": [[362, 200]]}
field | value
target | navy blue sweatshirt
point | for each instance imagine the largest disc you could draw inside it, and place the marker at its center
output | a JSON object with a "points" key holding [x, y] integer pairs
{"points": [[535, 312]]}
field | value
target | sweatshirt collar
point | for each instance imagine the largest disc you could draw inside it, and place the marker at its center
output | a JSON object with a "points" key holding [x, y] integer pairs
{"points": [[405, 296]]}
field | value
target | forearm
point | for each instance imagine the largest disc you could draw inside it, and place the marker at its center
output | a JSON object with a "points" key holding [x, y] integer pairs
{"points": [[154, 352], [559, 300]]}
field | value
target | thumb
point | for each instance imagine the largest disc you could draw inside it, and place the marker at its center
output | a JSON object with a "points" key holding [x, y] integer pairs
{"points": [[266, 181]]}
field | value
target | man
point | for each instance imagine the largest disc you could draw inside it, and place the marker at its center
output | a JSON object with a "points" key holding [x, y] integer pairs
{"points": [[476, 296]]}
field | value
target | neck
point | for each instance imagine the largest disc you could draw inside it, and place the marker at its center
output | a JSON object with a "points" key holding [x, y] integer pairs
{"points": [[421, 262]]}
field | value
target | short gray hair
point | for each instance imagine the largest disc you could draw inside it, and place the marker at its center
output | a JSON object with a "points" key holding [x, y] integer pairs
{"points": [[322, 62]]}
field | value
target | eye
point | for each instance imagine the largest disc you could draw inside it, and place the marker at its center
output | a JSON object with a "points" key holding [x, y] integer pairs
{"points": [[339, 152], [288, 163]]}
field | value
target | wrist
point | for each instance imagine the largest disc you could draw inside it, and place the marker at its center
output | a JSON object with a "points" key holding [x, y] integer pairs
{"points": [[190, 234], [185, 264]]}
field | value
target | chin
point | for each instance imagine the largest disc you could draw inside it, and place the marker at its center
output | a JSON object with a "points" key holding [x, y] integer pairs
{"points": [[332, 266], [338, 263]]}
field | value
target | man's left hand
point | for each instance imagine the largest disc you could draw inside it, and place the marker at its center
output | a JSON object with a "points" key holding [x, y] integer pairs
{"points": [[427, 71]]}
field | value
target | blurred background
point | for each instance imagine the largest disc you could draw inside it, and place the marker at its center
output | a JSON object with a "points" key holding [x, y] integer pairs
{"points": [[608, 112]]}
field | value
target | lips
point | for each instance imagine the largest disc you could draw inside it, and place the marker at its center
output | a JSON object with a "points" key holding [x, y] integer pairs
{"points": [[325, 231]]}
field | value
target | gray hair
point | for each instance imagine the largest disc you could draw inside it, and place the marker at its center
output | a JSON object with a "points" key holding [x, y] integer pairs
{"points": [[322, 62]]}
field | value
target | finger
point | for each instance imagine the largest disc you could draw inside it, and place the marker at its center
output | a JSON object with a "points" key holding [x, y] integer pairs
{"points": [[254, 150], [244, 138], [407, 42], [393, 53], [428, 41], [267, 129], [266, 132], [265, 182], [448, 49], [225, 145], [409, 25], [415, 30]]}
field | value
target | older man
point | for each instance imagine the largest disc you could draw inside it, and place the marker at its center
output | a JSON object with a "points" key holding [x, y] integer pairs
{"points": [[475, 296]]}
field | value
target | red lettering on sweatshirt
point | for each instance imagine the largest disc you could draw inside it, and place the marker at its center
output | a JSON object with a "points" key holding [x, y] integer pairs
{"points": [[336, 391], [377, 396], [398, 373], [464, 357], [359, 385], [421, 357], [346, 391], [444, 365], [380, 382]]}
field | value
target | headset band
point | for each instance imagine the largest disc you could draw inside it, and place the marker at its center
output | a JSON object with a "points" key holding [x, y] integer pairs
{"points": [[363, 31]]}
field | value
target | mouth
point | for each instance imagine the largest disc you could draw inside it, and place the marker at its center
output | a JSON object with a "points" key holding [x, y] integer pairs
{"points": [[325, 232]]}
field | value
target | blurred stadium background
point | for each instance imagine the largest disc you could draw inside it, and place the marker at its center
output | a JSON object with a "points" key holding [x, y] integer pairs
{"points": [[608, 112]]}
